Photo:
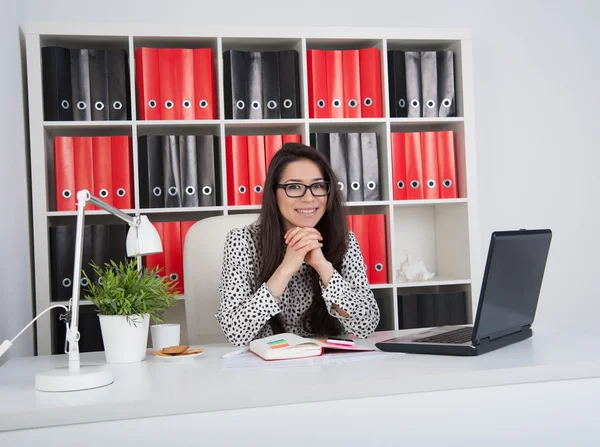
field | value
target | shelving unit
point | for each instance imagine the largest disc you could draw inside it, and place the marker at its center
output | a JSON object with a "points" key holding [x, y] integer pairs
{"points": [[443, 233]]}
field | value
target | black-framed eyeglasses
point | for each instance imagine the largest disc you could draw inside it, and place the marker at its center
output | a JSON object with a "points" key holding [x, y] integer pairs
{"points": [[295, 190]]}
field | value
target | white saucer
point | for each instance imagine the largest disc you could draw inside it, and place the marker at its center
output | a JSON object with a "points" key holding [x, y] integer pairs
{"points": [[176, 358]]}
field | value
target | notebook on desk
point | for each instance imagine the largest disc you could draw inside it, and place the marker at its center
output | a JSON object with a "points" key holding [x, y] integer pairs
{"points": [[507, 303]]}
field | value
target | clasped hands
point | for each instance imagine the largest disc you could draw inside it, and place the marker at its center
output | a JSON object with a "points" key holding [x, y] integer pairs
{"points": [[303, 244]]}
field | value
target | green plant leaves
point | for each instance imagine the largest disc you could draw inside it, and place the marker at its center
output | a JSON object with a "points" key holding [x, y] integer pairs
{"points": [[124, 290]]}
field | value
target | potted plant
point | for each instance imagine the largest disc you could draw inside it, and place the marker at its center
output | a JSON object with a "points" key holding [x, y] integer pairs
{"points": [[126, 299]]}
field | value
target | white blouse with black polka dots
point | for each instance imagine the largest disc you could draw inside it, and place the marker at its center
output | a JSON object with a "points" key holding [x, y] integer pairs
{"points": [[246, 307]]}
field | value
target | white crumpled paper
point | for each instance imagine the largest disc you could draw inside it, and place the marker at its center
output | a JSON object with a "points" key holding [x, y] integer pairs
{"points": [[410, 271]]}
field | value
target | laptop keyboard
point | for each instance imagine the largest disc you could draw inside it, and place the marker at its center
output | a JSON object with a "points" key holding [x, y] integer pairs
{"points": [[456, 336]]}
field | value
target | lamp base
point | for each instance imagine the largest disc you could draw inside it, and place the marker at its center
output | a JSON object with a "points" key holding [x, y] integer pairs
{"points": [[61, 379]]}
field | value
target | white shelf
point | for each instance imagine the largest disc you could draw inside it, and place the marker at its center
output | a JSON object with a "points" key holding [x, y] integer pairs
{"points": [[433, 282]]}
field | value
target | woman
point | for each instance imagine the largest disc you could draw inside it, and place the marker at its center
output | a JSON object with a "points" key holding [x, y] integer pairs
{"points": [[298, 267]]}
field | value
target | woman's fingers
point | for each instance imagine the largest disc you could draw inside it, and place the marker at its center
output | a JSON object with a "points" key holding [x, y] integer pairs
{"points": [[298, 240], [295, 235]]}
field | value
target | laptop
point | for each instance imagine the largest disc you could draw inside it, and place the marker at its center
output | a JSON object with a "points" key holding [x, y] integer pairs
{"points": [[507, 303]]}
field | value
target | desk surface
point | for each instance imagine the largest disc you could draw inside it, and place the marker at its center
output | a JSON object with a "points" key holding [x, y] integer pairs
{"points": [[157, 388]]}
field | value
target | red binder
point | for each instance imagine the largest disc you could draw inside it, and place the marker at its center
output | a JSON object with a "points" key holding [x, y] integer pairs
{"points": [[335, 83], [291, 138], [316, 64], [146, 73], [101, 150], [360, 227], [447, 165], [84, 166], [429, 156], [173, 256], [64, 174], [414, 166], [167, 74], [399, 165], [256, 168], [272, 144], [370, 83], [351, 74], [236, 151], [157, 259], [184, 62], [121, 172], [377, 249], [204, 86]]}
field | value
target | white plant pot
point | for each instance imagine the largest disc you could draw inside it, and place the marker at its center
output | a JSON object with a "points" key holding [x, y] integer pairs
{"points": [[124, 341]]}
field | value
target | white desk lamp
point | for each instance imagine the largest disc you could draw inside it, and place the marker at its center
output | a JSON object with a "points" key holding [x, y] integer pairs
{"points": [[142, 239]]}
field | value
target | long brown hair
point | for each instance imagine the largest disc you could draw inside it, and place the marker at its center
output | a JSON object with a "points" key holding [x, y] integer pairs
{"points": [[332, 226]]}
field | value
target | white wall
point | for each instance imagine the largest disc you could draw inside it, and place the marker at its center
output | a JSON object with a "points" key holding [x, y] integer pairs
{"points": [[15, 273], [536, 95]]}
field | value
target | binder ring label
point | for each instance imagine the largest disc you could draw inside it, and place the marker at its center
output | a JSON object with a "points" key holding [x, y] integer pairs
{"points": [[173, 191], [321, 103], [66, 193], [431, 183], [446, 102], [378, 267], [190, 190], [152, 104], [414, 103], [104, 193], [287, 103], [400, 184], [66, 282], [100, 281], [368, 102], [272, 104], [341, 185], [336, 103], [447, 183], [240, 104], [173, 276], [414, 184], [207, 190], [242, 189], [352, 103], [258, 189], [355, 186], [371, 185], [169, 104], [402, 103], [121, 192], [255, 105], [203, 104], [84, 282], [117, 105], [157, 191], [81, 105], [64, 104], [186, 104], [430, 104], [99, 105]]}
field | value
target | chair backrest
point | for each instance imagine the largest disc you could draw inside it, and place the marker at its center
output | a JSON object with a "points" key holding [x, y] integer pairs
{"points": [[202, 263]]}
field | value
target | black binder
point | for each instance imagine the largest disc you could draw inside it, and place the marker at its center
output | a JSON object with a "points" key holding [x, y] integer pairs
{"points": [[151, 181], [354, 167], [118, 85], [100, 247], [270, 85], [337, 143], [289, 84], [86, 258], [397, 84], [320, 141], [62, 250], [370, 166], [171, 171], [413, 84], [89, 330], [80, 85], [207, 164], [235, 75], [446, 96], [118, 246], [429, 83], [56, 80], [255, 87], [98, 84], [189, 170]]}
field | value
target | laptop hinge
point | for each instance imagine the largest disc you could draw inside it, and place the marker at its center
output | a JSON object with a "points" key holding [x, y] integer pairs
{"points": [[503, 333]]}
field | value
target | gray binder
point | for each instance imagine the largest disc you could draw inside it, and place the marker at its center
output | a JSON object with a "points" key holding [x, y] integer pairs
{"points": [[354, 167], [171, 171], [413, 83], [446, 95], [370, 166], [255, 87], [189, 170], [429, 84], [337, 142]]}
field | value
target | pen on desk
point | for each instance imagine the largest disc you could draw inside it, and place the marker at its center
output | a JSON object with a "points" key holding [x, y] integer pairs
{"points": [[236, 352]]}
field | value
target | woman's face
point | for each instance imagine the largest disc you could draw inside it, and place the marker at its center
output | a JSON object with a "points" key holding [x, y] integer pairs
{"points": [[305, 211]]}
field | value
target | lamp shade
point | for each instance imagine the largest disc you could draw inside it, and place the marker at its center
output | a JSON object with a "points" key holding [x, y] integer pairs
{"points": [[143, 239]]}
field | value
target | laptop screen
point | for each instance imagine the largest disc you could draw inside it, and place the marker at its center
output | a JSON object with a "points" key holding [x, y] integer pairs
{"points": [[511, 282]]}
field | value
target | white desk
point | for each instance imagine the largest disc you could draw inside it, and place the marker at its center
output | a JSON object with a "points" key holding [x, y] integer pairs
{"points": [[199, 397]]}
